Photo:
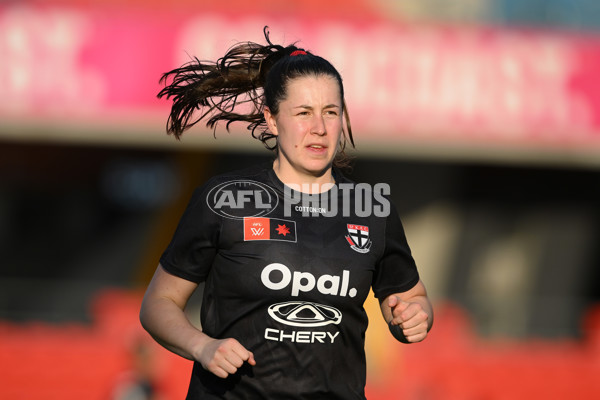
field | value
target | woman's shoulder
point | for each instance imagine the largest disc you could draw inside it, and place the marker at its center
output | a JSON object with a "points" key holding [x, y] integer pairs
{"points": [[254, 172]]}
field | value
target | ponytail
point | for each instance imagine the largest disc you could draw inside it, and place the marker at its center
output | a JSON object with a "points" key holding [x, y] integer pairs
{"points": [[238, 87]]}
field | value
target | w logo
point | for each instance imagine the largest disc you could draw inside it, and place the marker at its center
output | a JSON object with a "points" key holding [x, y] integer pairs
{"points": [[261, 228]]}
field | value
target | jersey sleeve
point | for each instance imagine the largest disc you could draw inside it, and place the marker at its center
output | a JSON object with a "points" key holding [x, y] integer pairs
{"points": [[396, 271], [193, 247]]}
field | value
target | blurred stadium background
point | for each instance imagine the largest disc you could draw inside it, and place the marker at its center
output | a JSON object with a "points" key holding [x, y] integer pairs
{"points": [[483, 115]]}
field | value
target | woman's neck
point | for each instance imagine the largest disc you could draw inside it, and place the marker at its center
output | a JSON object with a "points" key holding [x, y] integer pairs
{"points": [[304, 182]]}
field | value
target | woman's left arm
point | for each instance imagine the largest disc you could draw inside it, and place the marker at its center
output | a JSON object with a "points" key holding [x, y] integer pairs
{"points": [[409, 314]]}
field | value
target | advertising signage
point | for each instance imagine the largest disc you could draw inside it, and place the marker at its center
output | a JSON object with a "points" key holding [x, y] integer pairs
{"points": [[407, 85]]}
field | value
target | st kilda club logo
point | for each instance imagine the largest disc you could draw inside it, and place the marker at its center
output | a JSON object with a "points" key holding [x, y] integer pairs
{"points": [[241, 199], [358, 238]]}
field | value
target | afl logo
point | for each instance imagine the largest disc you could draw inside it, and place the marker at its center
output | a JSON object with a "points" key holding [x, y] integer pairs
{"points": [[302, 313], [241, 199]]}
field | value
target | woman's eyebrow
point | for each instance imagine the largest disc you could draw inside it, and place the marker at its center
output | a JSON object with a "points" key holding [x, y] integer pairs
{"points": [[311, 107]]}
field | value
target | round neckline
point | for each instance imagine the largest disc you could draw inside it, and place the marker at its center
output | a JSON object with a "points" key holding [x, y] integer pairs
{"points": [[279, 184]]}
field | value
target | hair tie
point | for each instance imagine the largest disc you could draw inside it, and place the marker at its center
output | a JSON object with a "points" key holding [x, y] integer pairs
{"points": [[297, 52]]}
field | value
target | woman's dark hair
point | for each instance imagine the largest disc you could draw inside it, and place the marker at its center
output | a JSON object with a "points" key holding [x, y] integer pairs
{"points": [[249, 77]]}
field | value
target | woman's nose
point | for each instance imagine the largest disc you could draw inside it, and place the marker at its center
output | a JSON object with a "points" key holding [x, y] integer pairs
{"points": [[318, 127]]}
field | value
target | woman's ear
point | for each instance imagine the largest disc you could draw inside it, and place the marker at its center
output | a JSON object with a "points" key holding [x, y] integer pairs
{"points": [[271, 122]]}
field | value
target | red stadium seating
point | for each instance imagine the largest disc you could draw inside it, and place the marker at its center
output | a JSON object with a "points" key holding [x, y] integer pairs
{"points": [[39, 360]]}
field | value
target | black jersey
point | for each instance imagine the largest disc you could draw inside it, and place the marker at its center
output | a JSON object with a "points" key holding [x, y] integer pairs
{"points": [[288, 281]]}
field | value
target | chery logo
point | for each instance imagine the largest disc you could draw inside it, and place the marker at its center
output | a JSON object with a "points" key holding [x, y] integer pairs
{"points": [[302, 313]]}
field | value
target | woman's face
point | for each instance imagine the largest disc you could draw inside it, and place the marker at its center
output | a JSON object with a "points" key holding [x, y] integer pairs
{"points": [[308, 127]]}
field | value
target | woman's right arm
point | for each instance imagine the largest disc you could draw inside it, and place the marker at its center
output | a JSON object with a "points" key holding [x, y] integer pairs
{"points": [[162, 315]]}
